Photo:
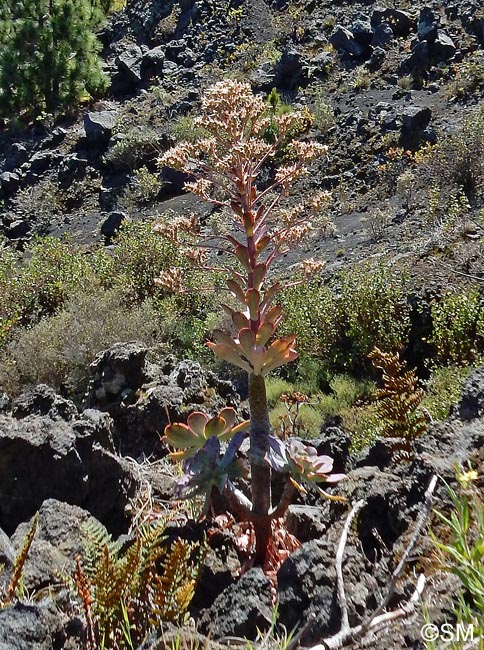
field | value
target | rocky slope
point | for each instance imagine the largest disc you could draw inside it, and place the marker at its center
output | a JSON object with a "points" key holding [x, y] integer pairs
{"points": [[379, 79], [61, 463]]}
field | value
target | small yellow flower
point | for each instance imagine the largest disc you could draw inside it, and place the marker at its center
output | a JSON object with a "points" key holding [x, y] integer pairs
{"points": [[469, 476]]}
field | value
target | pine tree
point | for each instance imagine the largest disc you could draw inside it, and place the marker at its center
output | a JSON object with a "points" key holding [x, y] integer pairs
{"points": [[49, 54]]}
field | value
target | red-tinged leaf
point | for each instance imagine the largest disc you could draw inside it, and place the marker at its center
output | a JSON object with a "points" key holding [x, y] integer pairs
{"points": [[269, 296], [228, 310], [243, 426], [228, 414], [262, 244], [226, 339], [260, 211], [248, 223], [236, 290], [279, 354], [228, 354], [236, 207], [247, 342], [274, 315], [179, 435], [239, 320], [242, 253], [252, 300], [197, 421], [259, 274], [227, 435], [264, 333], [279, 346], [215, 426], [269, 367]]}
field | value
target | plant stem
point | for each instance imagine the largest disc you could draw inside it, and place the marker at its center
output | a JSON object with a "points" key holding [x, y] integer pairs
{"points": [[261, 473]]}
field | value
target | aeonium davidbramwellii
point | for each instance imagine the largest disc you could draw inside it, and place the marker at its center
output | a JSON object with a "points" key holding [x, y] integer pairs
{"points": [[224, 166]]}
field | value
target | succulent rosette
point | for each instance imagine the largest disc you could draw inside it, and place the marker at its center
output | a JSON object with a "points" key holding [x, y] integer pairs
{"points": [[189, 438], [301, 462], [208, 468]]}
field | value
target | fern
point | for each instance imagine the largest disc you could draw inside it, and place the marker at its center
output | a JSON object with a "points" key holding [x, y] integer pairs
{"points": [[131, 590], [14, 590], [173, 590], [398, 407]]}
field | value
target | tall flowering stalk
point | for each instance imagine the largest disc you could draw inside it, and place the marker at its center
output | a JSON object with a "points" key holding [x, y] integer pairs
{"points": [[224, 168]]}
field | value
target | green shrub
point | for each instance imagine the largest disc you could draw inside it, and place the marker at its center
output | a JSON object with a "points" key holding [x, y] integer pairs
{"points": [[444, 389], [373, 310], [361, 422], [323, 113], [183, 129], [458, 327], [275, 387], [140, 255], [348, 390], [59, 349], [311, 312], [38, 286], [340, 323], [458, 160]]}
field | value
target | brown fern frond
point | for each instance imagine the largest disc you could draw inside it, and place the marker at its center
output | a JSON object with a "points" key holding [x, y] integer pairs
{"points": [[173, 590], [399, 411], [21, 558], [83, 587]]}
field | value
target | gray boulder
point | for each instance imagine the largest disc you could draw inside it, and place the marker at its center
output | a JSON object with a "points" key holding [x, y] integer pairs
{"points": [[112, 223], [9, 183], [152, 63], [57, 541], [38, 627], [428, 24], [44, 457], [307, 589], [129, 62], [241, 609], [15, 156], [471, 403], [443, 48], [382, 35], [400, 21], [116, 370], [343, 39], [415, 118], [142, 397], [362, 31], [43, 400], [18, 229], [99, 125]]}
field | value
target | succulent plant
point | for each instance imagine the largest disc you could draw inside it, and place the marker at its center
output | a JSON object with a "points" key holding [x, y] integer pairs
{"points": [[301, 462], [208, 468], [191, 437], [224, 168]]}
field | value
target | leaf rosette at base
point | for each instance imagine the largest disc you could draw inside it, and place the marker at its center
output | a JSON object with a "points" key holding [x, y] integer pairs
{"points": [[209, 469], [302, 463], [191, 437]]}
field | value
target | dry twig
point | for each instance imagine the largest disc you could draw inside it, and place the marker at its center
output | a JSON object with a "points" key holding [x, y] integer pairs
{"points": [[379, 618]]}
